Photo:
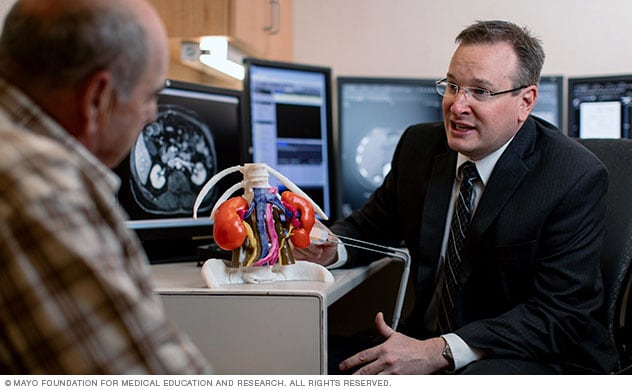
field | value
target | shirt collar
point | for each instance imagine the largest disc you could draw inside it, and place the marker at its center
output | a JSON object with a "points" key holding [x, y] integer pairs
{"points": [[484, 166], [29, 116]]}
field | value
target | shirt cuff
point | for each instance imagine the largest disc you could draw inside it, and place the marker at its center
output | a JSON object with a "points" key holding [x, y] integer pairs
{"points": [[342, 258], [462, 353]]}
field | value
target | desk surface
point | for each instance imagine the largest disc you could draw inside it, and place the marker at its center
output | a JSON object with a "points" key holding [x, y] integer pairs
{"points": [[271, 328], [187, 278]]}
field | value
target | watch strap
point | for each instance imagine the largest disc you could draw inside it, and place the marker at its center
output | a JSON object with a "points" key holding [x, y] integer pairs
{"points": [[447, 355]]}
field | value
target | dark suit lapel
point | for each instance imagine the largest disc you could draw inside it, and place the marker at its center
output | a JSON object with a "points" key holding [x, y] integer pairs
{"points": [[437, 202], [504, 180], [508, 173]]}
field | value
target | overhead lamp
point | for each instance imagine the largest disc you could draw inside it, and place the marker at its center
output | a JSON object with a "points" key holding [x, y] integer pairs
{"points": [[215, 52]]}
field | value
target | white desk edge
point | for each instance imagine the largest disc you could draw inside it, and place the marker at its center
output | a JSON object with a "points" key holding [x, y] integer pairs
{"points": [[186, 278]]}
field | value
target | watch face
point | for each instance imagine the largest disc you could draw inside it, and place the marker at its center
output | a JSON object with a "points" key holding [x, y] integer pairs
{"points": [[171, 160], [447, 352]]}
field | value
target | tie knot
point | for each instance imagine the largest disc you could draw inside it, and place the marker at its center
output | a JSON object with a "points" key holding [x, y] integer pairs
{"points": [[469, 172]]}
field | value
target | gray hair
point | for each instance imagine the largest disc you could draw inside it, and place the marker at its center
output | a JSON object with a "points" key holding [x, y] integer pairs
{"points": [[527, 47], [69, 46]]}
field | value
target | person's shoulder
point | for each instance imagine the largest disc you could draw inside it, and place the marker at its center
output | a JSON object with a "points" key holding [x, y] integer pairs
{"points": [[25, 146], [565, 149], [34, 161]]}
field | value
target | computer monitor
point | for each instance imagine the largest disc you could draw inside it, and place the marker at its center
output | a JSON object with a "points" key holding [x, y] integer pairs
{"points": [[550, 106], [288, 118], [196, 134], [599, 107], [373, 113]]}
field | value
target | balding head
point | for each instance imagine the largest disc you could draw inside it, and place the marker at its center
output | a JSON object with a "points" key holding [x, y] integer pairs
{"points": [[68, 40], [95, 66]]}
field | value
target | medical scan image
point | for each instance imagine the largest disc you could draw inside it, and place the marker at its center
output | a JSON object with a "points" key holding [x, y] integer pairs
{"points": [[373, 156], [172, 159]]}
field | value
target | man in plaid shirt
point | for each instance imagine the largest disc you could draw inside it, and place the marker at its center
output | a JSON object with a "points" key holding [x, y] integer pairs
{"points": [[78, 80]]}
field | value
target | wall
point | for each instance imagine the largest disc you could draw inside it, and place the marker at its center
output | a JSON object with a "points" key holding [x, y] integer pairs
{"points": [[415, 38]]}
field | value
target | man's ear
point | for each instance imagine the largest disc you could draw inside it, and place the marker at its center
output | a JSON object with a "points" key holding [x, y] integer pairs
{"points": [[529, 97], [96, 99]]}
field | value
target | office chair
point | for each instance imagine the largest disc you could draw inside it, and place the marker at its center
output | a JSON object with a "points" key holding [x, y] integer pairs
{"points": [[616, 154]]}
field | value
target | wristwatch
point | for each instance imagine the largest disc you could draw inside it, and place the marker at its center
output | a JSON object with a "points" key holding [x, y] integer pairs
{"points": [[447, 355]]}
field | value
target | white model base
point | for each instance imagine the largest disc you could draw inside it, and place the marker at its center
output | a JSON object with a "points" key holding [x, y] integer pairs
{"points": [[216, 272]]}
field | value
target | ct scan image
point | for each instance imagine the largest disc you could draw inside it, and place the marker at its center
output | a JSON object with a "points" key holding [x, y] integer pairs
{"points": [[172, 159]]}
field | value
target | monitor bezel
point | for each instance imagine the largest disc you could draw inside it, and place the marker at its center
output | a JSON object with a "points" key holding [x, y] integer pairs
{"points": [[559, 81], [573, 123], [332, 141]]}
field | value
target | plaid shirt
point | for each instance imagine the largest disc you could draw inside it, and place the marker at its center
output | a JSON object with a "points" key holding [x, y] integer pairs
{"points": [[76, 294]]}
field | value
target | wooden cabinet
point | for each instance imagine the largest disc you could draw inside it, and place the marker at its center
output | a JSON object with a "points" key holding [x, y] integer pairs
{"points": [[262, 28], [194, 18], [259, 28]]}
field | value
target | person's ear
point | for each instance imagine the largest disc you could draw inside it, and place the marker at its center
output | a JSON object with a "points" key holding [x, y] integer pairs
{"points": [[529, 97], [96, 100]]}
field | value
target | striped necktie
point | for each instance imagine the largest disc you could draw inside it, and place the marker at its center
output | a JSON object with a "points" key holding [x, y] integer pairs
{"points": [[458, 229]]}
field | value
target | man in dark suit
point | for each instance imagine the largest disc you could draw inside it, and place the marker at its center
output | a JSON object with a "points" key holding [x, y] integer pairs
{"points": [[528, 296]]}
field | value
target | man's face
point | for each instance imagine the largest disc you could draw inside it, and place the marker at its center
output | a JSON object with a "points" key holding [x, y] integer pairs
{"points": [[477, 128], [128, 117]]}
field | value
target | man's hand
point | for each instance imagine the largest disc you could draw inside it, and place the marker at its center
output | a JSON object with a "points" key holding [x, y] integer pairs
{"points": [[399, 354], [325, 253]]}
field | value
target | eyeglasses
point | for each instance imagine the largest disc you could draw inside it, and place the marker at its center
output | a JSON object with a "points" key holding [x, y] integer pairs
{"points": [[448, 88]]}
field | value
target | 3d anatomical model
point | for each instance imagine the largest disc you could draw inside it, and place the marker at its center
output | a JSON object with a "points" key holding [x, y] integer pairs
{"points": [[258, 227]]}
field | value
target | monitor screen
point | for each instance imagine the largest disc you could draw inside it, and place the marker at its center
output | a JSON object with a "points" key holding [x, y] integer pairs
{"points": [[372, 115], [197, 133], [288, 115], [550, 105], [600, 107]]}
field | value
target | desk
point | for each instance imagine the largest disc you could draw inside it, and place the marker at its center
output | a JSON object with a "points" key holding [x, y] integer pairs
{"points": [[278, 328]]}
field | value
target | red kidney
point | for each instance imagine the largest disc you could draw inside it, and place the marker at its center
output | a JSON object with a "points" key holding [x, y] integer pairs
{"points": [[300, 235], [228, 227]]}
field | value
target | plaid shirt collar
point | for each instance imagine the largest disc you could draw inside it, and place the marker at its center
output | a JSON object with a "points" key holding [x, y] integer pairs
{"points": [[22, 111]]}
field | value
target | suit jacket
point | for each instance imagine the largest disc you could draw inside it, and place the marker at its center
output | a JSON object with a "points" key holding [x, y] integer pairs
{"points": [[531, 284]]}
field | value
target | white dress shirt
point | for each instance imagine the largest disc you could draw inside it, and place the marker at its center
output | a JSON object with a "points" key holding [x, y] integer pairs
{"points": [[462, 353]]}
